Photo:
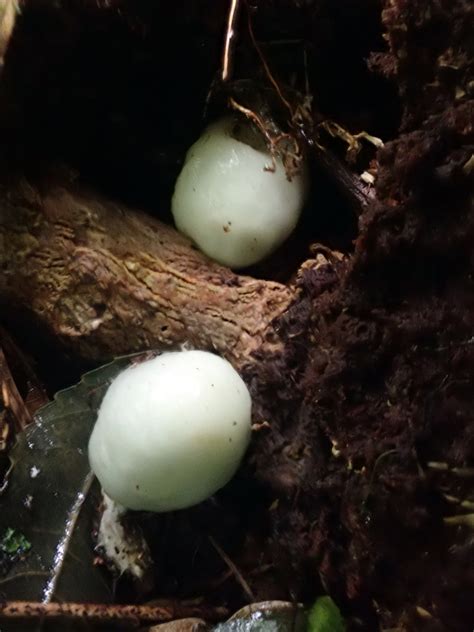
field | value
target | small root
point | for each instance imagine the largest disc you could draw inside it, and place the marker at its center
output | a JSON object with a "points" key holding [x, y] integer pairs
{"points": [[232, 567], [352, 140], [229, 41]]}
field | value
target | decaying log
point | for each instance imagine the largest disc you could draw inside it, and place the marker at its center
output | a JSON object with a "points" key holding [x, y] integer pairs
{"points": [[110, 281]]}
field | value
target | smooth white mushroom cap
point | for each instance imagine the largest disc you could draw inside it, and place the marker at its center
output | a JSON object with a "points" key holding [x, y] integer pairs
{"points": [[171, 431], [229, 203]]}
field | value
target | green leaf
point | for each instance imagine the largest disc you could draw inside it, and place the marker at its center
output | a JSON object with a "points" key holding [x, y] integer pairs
{"points": [[325, 616], [14, 543], [47, 513]]}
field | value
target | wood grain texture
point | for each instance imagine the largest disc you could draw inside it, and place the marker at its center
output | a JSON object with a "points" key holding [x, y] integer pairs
{"points": [[108, 280]]}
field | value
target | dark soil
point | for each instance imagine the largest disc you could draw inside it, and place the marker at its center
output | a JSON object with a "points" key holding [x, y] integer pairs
{"points": [[379, 367], [371, 444]]}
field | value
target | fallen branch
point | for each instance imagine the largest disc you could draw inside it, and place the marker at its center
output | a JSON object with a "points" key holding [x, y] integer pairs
{"points": [[107, 280], [132, 615]]}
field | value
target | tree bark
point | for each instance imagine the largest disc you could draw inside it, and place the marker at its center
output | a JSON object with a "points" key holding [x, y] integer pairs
{"points": [[8, 11], [108, 280]]}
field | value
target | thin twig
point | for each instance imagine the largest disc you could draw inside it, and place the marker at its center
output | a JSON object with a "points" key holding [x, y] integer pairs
{"points": [[237, 574], [10, 396], [107, 613], [264, 63], [227, 56], [358, 193], [352, 187]]}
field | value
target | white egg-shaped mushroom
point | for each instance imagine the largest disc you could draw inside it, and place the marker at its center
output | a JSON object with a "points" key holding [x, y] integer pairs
{"points": [[228, 199], [171, 431]]}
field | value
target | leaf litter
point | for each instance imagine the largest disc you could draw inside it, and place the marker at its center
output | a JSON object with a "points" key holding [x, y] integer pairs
{"points": [[51, 500]]}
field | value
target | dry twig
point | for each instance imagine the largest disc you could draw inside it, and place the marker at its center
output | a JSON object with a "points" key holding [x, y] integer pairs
{"points": [[265, 65], [10, 396], [124, 614], [233, 568], [227, 56]]}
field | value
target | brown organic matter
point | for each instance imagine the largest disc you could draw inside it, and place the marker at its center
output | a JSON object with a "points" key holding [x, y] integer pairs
{"points": [[375, 446], [361, 483]]}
